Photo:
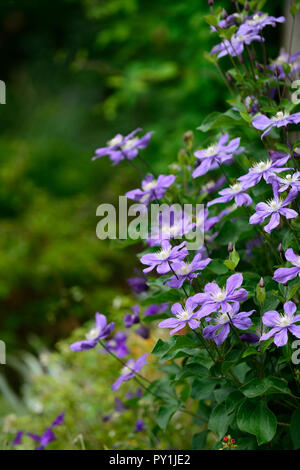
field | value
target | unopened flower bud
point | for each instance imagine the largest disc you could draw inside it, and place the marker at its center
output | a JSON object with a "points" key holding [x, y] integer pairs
{"points": [[210, 3], [225, 439], [224, 14], [232, 441], [229, 77], [247, 6], [230, 247], [279, 248], [262, 282], [188, 137], [259, 67]]}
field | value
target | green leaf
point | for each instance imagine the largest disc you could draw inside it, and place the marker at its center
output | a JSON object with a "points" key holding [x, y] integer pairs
{"points": [[295, 7], [219, 420], [250, 352], [266, 386], [164, 415], [217, 267], [260, 293], [295, 428], [199, 440], [265, 344], [202, 389], [255, 418]]}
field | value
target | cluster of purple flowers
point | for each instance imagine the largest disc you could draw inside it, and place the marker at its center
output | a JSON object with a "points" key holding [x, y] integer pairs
{"points": [[46, 438]]}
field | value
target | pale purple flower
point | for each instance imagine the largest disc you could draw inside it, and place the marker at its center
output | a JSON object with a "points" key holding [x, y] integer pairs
{"points": [[215, 298], [131, 368], [117, 344], [221, 324], [182, 316], [45, 439], [260, 20], [187, 271], [156, 309], [143, 331], [235, 46], [213, 156], [138, 284], [152, 188], [132, 319], [281, 324], [250, 338], [101, 331], [266, 169], [235, 191], [283, 275], [285, 58], [281, 119], [289, 181], [274, 208], [161, 259], [172, 222], [212, 186], [120, 148]]}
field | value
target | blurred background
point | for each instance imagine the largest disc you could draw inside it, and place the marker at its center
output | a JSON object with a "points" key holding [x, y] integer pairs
{"points": [[77, 72]]}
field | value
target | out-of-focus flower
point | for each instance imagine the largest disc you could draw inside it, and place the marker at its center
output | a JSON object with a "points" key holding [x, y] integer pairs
{"points": [[139, 426], [132, 319], [117, 344], [101, 331], [156, 309], [43, 440], [121, 148], [258, 21], [289, 181], [129, 371]]}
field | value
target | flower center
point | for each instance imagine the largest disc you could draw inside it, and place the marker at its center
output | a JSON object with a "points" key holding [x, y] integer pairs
{"points": [[236, 188], [128, 368], [93, 333], [284, 321], [150, 185], [130, 144], [185, 269], [222, 319], [262, 166], [184, 315], [220, 296], [297, 262], [274, 205], [257, 19], [115, 141], [280, 116], [212, 150], [164, 254]]}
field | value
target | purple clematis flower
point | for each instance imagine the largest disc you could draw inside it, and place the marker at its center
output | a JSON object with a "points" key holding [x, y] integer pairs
{"points": [[260, 20], [216, 154], [121, 148], [274, 209], [235, 191], [101, 331], [139, 426], [235, 46], [162, 258], [45, 439], [171, 223], [129, 319], [265, 169], [281, 324], [151, 188], [220, 328], [182, 317], [187, 271], [138, 284], [281, 119], [156, 309], [285, 58], [118, 345], [283, 275], [129, 371], [215, 298], [289, 181], [143, 331], [250, 338]]}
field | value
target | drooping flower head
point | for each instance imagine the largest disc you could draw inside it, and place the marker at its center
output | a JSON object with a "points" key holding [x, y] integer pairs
{"points": [[129, 371], [152, 189], [222, 322], [281, 119], [211, 157], [281, 324], [156, 309], [283, 275], [161, 259], [101, 331], [235, 47], [285, 58], [182, 316], [121, 148], [214, 298], [117, 344]]}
